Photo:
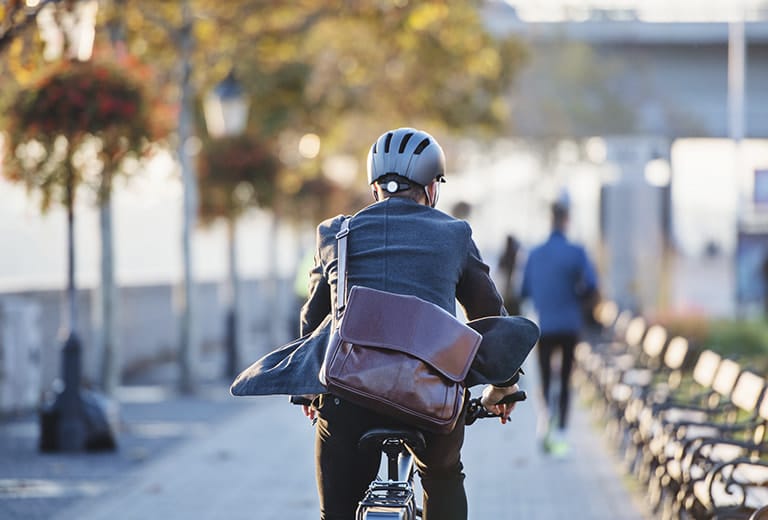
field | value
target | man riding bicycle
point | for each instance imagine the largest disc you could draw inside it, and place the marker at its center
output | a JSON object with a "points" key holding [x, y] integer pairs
{"points": [[400, 244]]}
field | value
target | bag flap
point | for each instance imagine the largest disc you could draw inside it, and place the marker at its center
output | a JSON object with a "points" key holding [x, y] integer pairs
{"points": [[411, 325]]}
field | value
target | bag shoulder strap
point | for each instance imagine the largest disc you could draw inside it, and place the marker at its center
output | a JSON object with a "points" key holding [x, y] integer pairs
{"points": [[341, 290]]}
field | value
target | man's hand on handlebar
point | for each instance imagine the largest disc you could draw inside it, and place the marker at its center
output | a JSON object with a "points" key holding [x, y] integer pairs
{"points": [[491, 397], [306, 405], [501, 401]]}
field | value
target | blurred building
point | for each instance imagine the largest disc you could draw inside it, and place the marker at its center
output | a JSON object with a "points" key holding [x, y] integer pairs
{"points": [[669, 106]]}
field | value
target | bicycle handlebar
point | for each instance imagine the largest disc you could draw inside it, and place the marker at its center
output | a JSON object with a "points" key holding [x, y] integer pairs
{"points": [[300, 400], [475, 410]]}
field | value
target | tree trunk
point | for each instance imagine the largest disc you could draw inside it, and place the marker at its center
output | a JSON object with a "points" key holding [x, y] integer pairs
{"points": [[108, 313], [232, 345], [71, 289], [110, 361], [188, 336], [276, 322]]}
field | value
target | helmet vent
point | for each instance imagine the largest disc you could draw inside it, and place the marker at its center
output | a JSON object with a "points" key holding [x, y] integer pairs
{"points": [[404, 142], [421, 147], [387, 141]]}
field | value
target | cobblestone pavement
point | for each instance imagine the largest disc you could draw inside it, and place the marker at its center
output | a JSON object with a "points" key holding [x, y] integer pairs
{"points": [[212, 456]]}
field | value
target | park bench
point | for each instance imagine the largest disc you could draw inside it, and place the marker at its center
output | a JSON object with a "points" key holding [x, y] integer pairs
{"points": [[602, 362], [630, 379], [734, 489], [704, 396], [681, 450], [724, 472], [664, 382], [695, 438], [618, 357], [588, 353], [606, 314], [611, 326], [760, 514]]}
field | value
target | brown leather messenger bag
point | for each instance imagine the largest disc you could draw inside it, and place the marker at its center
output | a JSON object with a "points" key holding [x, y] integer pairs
{"points": [[397, 354]]}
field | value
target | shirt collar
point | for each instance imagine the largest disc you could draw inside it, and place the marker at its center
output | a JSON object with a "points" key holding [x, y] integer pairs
{"points": [[557, 234]]}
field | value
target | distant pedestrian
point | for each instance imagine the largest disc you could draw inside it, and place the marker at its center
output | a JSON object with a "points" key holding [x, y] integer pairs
{"points": [[461, 210], [301, 289], [764, 280], [559, 279], [507, 272]]}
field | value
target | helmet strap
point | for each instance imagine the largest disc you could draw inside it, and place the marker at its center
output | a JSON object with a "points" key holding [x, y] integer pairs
{"points": [[432, 203]]}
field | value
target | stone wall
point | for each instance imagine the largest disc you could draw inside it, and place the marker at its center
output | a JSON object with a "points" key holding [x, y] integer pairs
{"points": [[33, 327]]}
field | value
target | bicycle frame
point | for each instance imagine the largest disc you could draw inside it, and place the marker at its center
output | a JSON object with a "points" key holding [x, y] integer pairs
{"points": [[393, 498]]}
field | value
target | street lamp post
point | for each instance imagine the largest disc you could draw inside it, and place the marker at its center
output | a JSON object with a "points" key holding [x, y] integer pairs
{"points": [[226, 115], [74, 420], [226, 108]]}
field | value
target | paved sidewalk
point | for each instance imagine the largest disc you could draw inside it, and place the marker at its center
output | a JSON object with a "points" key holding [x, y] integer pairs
{"points": [[256, 462]]}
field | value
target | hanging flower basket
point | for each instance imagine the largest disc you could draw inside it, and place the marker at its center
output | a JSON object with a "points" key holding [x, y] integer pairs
{"points": [[80, 98], [50, 121], [235, 173]]}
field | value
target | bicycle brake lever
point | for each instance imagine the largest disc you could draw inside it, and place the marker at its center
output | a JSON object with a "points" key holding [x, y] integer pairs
{"points": [[474, 410]]}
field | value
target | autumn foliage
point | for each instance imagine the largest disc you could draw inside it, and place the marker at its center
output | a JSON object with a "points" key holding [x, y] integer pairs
{"points": [[81, 98], [235, 173], [74, 106]]}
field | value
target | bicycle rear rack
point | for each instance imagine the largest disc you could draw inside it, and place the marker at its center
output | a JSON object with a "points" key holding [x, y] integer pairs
{"points": [[386, 500]]}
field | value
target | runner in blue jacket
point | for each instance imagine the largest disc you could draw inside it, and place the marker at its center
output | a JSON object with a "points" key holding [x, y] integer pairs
{"points": [[558, 278]]}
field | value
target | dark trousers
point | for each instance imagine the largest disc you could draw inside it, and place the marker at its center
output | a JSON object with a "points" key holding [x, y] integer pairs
{"points": [[548, 345], [343, 471]]}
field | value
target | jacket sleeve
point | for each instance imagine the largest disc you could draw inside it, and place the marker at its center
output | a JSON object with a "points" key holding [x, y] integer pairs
{"points": [[476, 291], [318, 304]]}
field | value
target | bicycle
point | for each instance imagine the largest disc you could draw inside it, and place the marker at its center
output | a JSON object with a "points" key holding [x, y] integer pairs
{"points": [[393, 497]]}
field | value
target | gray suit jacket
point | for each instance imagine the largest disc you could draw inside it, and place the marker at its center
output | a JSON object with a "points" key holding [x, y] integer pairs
{"points": [[399, 246]]}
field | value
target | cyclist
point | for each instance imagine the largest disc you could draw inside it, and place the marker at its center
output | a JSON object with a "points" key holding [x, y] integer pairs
{"points": [[402, 244]]}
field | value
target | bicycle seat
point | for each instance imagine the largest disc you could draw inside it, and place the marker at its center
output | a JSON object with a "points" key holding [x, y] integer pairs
{"points": [[413, 438]]}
